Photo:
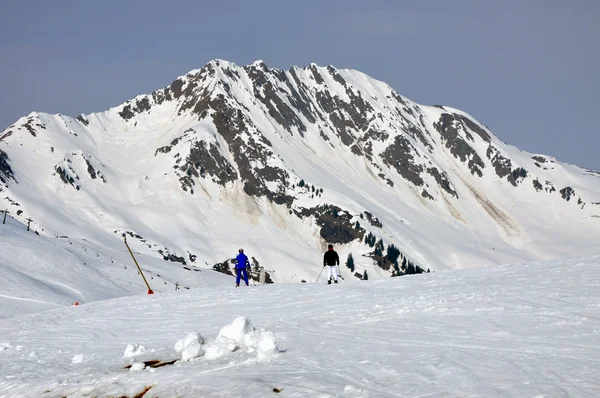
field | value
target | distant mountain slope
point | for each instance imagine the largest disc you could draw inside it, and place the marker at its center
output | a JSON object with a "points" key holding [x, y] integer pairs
{"points": [[283, 162], [41, 273]]}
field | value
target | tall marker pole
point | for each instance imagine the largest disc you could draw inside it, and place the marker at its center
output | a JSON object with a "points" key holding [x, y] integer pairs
{"points": [[138, 266]]}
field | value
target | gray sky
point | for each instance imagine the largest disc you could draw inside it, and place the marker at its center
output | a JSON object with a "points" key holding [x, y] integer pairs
{"points": [[528, 69]]}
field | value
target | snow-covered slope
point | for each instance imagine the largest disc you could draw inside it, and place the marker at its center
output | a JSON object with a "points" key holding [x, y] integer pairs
{"points": [[40, 273], [524, 330], [283, 162]]}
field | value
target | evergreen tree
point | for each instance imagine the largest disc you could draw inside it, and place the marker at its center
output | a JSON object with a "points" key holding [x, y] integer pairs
{"points": [[381, 245], [350, 262], [301, 183], [378, 251], [313, 188], [365, 276], [393, 253], [410, 268], [370, 239], [404, 261], [396, 269], [357, 225]]}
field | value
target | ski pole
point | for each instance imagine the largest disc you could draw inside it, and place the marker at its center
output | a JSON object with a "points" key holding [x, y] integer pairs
{"points": [[339, 273], [320, 274]]}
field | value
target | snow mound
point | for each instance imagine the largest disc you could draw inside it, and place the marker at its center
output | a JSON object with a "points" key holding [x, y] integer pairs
{"points": [[243, 334], [136, 366], [190, 346], [133, 350], [238, 335], [240, 331]]}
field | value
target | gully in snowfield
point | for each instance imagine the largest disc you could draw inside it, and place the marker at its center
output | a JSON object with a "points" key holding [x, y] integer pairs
{"points": [[331, 260], [241, 263]]}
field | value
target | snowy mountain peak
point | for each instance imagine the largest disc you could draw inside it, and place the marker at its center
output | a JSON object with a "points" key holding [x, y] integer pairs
{"points": [[284, 162]]}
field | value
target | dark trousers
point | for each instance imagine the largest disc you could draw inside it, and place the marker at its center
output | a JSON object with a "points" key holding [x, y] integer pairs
{"points": [[241, 271]]}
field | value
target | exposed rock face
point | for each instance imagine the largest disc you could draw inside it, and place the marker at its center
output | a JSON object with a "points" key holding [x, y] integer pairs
{"points": [[400, 156], [448, 126], [336, 224], [6, 172], [567, 193]]}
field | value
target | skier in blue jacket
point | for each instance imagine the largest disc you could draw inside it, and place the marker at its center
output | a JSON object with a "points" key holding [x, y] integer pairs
{"points": [[241, 263]]}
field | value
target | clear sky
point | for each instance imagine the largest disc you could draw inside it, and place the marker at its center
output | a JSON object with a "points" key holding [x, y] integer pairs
{"points": [[528, 69]]}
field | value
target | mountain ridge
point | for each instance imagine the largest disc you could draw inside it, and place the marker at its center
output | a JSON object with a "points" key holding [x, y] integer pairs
{"points": [[302, 154]]}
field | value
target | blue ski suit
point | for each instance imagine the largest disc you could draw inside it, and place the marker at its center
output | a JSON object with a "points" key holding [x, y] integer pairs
{"points": [[241, 263]]}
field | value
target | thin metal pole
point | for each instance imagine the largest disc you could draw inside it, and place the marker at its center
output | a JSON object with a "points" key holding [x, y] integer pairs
{"points": [[320, 274], [339, 273], [138, 266]]}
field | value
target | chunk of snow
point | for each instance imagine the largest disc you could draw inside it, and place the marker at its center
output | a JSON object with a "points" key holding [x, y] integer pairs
{"points": [[78, 358], [190, 346], [137, 366], [238, 330], [193, 350], [267, 346], [219, 347], [133, 350], [188, 339], [241, 332]]}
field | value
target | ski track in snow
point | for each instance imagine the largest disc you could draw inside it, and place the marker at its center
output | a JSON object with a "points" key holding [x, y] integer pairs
{"points": [[523, 330]]}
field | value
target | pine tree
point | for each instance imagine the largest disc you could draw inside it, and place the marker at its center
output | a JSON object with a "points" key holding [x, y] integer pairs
{"points": [[365, 276], [301, 183], [410, 268], [380, 244], [378, 251], [350, 262], [370, 239], [393, 253], [357, 225]]}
